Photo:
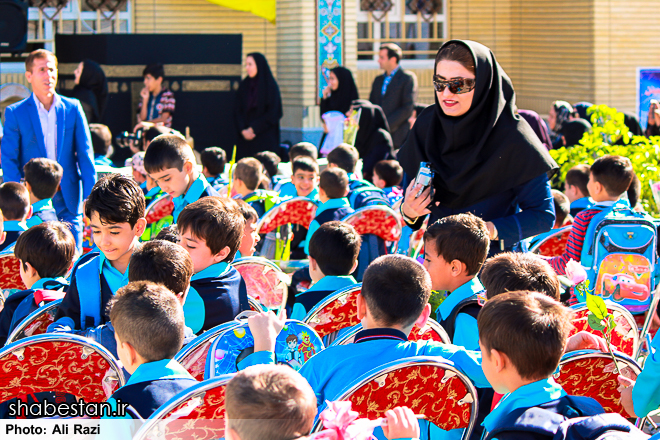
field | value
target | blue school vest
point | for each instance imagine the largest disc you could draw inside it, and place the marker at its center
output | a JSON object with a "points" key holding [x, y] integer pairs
{"points": [[88, 279]]}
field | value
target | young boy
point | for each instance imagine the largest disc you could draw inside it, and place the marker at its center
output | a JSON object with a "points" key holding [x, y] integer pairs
{"points": [[156, 103], [213, 165], [16, 209], [250, 238], [333, 188], [609, 179], [46, 252], [270, 161], [115, 208], [575, 188], [388, 175], [303, 149], [42, 179], [247, 176], [562, 209], [346, 157], [149, 331], [211, 230], [333, 253], [455, 249], [513, 271], [304, 182], [101, 142], [170, 162]]}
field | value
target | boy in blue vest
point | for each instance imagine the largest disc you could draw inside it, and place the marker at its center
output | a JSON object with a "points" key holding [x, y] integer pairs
{"points": [[42, 180], [213, 161], [575, 188], [115, 208], [247, 176], [46, 252], [333, 253], [250, 237], [333, 188], [149, 330], [211, 230], [455, 249], [16, 209], [170, 162]]}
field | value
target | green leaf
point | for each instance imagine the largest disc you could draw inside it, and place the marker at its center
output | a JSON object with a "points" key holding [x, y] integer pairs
{"points": [[597, 306], [611, 325], [595, 323]]}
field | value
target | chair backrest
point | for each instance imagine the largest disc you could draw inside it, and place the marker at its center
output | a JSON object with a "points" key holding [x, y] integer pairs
{"points": [[432, 331], [541, 240], [160, 207], [66, 363], [10, 272], [204, 403], [336, 312], [296, 211], [554, 245], [255, 305], [424, 384], [592, 374], [193, 355], [295, 345], [36, 323], [625, 336], [264, 281], [378, 220]]}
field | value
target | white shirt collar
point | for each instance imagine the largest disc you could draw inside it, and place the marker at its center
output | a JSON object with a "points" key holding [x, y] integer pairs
{"points": [[40, 106]]}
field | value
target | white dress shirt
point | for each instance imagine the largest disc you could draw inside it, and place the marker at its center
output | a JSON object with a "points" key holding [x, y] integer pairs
{"points": [[48, 119]]}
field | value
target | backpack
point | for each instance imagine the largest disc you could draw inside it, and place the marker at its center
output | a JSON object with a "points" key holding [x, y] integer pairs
{"points": [[567, 418], [268, 198], [620, 257], [88, 280], [367, 195], [470, 306]]}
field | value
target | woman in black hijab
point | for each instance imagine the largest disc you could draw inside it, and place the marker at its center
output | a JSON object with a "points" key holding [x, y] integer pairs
{"points": [[257, 109], [91, 90], [487, 160], [340, 92], [373, 140]]}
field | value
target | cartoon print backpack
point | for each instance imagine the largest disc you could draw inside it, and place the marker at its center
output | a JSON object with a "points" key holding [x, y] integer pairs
{"points": [[620, 257]]}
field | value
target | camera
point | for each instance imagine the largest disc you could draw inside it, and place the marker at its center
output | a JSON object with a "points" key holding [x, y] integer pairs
{"points": [[128, 139], [425, 178]]}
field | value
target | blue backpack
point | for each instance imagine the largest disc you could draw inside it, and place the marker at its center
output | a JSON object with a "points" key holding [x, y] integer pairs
{"points": [[88, 284], [620, 256], [367, 195]]}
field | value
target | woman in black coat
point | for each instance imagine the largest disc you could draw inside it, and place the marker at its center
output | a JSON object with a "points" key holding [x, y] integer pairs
{"points": [[373, 140], [257, 109], [91, 90], [340, 92]]}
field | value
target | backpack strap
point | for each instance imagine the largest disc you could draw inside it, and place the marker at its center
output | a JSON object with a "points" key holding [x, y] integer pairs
{"points": [[469, 306], [88, 280]]}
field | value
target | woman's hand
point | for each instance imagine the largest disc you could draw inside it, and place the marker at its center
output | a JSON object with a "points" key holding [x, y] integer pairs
{"points": [[327, 91], [248, 134], [414, 206]]}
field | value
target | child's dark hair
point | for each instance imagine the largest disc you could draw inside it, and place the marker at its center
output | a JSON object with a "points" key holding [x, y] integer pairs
{"points": [[168, 233], [335, 247], [513, 271], [101, 138], [248, 212], [269, 161], [462, 237], [390, 171], [613, 172], [153, 132], [116, 199], [249, 170], [396, 289], [270, 402], [334, 182], [578, 176], [562, 206], [217, 220], [530, 328], [303, 149], [14, 201], [162, 262], [48, 247], [634, 191], [214, 159], [150, 318], [345, 157], [157, 70], [167, 151], [44, 176], [306, 164]]}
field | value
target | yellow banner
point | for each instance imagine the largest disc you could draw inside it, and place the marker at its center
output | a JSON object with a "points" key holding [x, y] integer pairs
{"points": [[260, 8]]}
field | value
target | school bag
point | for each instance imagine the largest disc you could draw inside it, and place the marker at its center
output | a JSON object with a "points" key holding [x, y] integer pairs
{"points": [[268, 198], [88, 284], [620, 257], [367, 195]]}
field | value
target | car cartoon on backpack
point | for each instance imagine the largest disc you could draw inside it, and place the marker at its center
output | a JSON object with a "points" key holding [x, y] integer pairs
{"points": [[622, 286]]}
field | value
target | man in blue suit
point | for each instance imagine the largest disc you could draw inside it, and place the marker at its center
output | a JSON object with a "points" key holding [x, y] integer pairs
{"points": [[53, 126]]}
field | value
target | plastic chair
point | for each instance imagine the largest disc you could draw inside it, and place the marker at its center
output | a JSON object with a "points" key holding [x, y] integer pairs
{"points": [[10, 272], [36, 323], [193, 355], [378, 220], [432, 331], [255, 306], [551, 243], [265, 282], [58, 362], [592, 374], [204, 403], [336, 312], [159, 208], [624, 337], [424, 384], [296, 211]]}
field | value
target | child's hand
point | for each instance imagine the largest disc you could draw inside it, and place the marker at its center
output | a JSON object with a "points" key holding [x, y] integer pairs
{"points": [[626, 394], [401, 423], [586, 341], [265, 327]]}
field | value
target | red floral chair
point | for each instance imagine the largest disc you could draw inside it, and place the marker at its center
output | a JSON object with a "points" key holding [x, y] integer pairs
{"points": [[37, 322], [196, 413], [296, 211], [592, 374], [378, 220], [336, 312], [58, 362], [424, 384], [551, 243], [432, 331], [159, 208], [193, 356], [265, 282], [624, 337], [10, 275]]}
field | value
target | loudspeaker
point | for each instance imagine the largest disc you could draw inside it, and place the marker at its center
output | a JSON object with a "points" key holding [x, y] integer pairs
{"points": [[13, 25]]}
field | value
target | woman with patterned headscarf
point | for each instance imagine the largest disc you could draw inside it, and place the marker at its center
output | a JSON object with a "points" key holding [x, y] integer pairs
{"points": [[560, 113]]}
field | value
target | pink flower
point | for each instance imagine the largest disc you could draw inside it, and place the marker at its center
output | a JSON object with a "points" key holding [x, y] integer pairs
{"points": [[342, 423], [575, 272]]}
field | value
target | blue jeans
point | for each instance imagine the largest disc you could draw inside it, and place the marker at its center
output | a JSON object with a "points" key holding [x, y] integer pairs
{"points": [[74, 220]]}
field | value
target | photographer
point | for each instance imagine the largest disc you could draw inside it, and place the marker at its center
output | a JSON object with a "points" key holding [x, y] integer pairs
{"points": [[157, 103]]}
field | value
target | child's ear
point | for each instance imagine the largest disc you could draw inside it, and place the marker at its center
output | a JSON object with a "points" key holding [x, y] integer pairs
{"points": [[346, 192], [312, 263], [230, 433], [188, 167], [140, 226], [30, 212], [458, 268], [28, 186], [355, 265], [29, 270], [321, 192], [220, 256], [3, 237], [499, 359], [424, 316], [361, 307]]}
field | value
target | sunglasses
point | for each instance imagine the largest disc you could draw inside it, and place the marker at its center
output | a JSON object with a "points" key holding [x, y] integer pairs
{"points": [[457, 86]]}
